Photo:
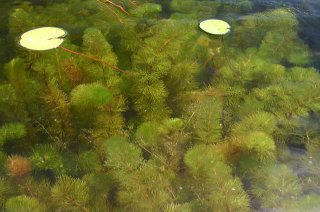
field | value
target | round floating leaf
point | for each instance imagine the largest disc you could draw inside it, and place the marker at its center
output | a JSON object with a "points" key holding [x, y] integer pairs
{"points": [[43, 38], [215, 26]]}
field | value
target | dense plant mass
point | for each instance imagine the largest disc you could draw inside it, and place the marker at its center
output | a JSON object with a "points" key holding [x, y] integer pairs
{"points": [[196, 122]]}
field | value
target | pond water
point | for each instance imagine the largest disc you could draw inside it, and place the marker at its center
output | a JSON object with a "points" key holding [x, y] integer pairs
{"points": [[133, 107]]}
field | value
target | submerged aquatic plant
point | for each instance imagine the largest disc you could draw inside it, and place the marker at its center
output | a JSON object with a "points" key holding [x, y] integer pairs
{"points": [[23, 203], [191, 129], [18, 166]]}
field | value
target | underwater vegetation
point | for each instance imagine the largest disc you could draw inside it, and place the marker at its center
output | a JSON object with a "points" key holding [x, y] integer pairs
{"points": [[192, 122]]}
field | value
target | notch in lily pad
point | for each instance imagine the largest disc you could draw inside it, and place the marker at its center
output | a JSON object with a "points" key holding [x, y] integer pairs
{"points": [[46, 38], [215, 26]]}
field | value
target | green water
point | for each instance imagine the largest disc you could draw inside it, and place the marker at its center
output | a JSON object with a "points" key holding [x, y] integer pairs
{"points": [[140, 110]]}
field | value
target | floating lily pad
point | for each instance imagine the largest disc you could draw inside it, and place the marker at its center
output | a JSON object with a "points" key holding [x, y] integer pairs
{"points": [[43, 38], [215, 26]]}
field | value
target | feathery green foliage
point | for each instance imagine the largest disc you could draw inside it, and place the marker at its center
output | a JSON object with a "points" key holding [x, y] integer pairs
{"points": [[90, 96], [254, 27], [193, 9], [309, 202], [10, 107], [258, 144], [276, 186], [70, 194], [39, 189], [45, 158], [12, 131], [26, 88], [101, 187], [145, 189], [147, 10], [148, 133], [89, 162], [260, 121], [140, 110], [23, 203], [212, 180], [207, 120], [3, 158], [122, 155], [4, 191]]}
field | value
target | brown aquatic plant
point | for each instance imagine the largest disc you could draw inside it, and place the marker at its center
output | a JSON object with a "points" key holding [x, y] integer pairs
{"points": [[18, 166]]}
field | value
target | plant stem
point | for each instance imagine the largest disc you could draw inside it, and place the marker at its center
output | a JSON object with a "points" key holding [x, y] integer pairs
{"points": [[93, 58], [118, 6], [225, 54]]}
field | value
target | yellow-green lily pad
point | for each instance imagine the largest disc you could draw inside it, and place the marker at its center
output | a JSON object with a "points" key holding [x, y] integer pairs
{"points": [[43, 38], [215, 26]]}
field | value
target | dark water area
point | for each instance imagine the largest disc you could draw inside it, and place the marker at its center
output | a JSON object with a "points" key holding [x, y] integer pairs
{"points": [[308, 14], [310, 30]]}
